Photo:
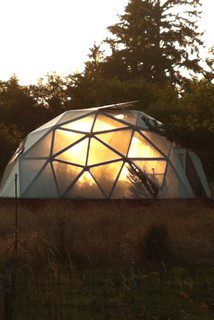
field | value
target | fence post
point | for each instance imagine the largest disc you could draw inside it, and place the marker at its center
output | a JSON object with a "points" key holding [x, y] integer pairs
{"points": [[133, 275], [9, 291]]}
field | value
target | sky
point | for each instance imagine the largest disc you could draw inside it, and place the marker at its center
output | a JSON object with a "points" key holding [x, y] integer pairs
{"points": [[41, 36]]}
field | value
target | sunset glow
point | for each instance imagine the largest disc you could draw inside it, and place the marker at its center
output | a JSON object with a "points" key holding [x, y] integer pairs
{"points": [[46, 36]]}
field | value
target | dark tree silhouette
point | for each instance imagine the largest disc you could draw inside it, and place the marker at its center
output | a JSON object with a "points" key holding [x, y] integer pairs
{"points": [[158, 40]]}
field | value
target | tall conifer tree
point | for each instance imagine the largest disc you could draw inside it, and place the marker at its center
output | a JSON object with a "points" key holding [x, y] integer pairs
{"points": [[158, 40]]}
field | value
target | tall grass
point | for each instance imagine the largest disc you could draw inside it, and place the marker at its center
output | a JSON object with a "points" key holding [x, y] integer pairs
{"points": [[106, 235]]}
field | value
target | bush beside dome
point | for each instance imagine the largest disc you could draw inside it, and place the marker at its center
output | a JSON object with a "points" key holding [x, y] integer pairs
{"points": [[103, 153]]}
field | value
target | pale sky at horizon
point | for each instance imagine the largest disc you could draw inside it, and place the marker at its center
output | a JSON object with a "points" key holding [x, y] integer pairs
{"points": [[40, 36]]}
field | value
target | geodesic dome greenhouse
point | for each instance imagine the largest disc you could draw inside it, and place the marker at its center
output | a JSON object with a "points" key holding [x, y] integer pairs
{"points": [[103, 153]]}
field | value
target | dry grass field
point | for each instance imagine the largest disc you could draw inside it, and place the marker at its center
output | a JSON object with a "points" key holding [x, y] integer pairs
{"points": [[71, 251], [108, 234]]}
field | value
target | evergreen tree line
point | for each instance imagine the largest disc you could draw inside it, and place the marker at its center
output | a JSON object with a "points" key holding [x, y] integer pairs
{"points": [[154, 56]]}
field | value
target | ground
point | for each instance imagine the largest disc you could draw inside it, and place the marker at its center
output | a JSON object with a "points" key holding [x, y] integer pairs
{"points": [[121, 259], [109, 234]]}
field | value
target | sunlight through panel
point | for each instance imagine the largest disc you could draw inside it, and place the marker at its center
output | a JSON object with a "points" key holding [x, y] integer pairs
{"points": [[98, 153], [118, 140], [65, 175], [154, 169], [123, 186], [126, 116], [42, 148], [106, 175], [140, 148], [84, 124], [71, 115], [104, 123], [85, 188], [76, 154], [159, 141], [63, 139]]}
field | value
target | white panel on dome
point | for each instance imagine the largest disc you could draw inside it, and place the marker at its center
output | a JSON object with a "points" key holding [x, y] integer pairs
{"points": [[42, 148], [85, 188], [180, 172], [34, 137], [29, 169], [173, 187], [71, 115], [49, 124], [8, 186], [44, 186], [200, 171], [7, 173]]}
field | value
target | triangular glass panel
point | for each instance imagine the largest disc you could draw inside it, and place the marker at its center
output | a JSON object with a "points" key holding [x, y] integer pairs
{"points": [[34, 137], [126, 116], [83, 125], [106, 175], [64, 138], [159, 141], [71, 115], [7, 188], [173, 187], [28, 171], [42, 148], [119, 140], [104, 123], [49, 124], [154, 169], [141, 148], [122, 188], [85, 188], [76, 154], [44, 186], [65, 175], [7, 172], [99, 153]]}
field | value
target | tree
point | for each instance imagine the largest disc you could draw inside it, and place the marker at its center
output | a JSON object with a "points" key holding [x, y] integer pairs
{"points": [[18, 107], [51, 94], [158, 40], [10, 138], [189, 120]]}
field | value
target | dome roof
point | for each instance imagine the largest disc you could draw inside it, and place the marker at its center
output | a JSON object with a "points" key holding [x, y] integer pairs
{"points": [[104, 152]]}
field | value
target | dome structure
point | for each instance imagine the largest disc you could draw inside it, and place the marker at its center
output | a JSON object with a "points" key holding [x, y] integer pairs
{"points": [[108, 152]]}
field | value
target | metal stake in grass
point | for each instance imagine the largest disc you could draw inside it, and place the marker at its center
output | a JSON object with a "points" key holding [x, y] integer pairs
{"points": [[16, 216]]}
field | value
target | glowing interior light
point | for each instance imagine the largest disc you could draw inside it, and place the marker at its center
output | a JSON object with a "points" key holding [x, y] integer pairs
{"points": [[104, 123], [87, 179], [76, 154], [120, 116], [124, 174], [65, 138], [83, 125], [141, 149]]}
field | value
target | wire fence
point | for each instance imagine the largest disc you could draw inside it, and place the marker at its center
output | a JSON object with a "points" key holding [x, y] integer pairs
{"points": [[62, 295]]}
